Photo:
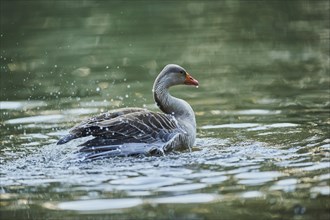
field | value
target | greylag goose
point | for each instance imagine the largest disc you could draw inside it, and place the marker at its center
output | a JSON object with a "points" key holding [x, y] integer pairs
{"points": [[138, 131]]}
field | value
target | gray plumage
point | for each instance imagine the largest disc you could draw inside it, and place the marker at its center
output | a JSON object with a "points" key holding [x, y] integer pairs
{"points": [[138, 131]]}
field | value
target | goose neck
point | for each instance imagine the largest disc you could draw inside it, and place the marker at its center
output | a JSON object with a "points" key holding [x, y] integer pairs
{"points": [[171, 105]]}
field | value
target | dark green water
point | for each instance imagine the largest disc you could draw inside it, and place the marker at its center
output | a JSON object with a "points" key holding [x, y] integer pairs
{"points": [[262, 108]]}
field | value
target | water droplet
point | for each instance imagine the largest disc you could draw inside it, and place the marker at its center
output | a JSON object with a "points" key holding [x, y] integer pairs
{"points": [[107, 67], [97, 89], [128, 86], [197, 87]]}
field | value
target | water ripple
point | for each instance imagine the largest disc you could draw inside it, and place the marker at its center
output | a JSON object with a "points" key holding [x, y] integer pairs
{"points": [[21, 105], [182, 188], [191, 198], [144, 183], [36, 119], [95, 205]]}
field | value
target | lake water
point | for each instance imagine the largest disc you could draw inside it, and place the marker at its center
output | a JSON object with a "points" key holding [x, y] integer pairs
{"points": [[262, 108]]}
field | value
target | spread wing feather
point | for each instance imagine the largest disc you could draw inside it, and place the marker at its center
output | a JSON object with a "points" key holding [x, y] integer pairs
{"points": [[134, 125]]}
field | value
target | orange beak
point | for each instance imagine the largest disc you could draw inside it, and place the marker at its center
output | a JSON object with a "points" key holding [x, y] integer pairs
{"points": [[190, 80]]}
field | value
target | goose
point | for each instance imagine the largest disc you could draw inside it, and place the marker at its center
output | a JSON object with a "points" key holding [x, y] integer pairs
{"points": [[138, 131]]}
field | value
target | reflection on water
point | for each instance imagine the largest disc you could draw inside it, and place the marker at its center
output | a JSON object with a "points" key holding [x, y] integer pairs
{"points": [[262, 108], [213, 174]]}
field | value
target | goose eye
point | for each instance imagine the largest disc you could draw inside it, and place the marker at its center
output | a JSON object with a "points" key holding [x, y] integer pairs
{"points": [[182, 72]]}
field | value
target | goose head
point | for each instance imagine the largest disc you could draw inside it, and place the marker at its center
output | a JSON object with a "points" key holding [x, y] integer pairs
{"points": [[173, 74]]}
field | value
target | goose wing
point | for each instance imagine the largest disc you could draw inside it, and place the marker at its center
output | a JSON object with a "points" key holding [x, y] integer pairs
{"points": [[82, 129], [136, 126]]}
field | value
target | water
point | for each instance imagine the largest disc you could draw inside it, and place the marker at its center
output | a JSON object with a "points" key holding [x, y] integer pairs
{"points": [[262, 108]]}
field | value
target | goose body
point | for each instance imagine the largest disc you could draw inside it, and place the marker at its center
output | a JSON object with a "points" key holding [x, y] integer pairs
{"points": [[136, 131]]}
